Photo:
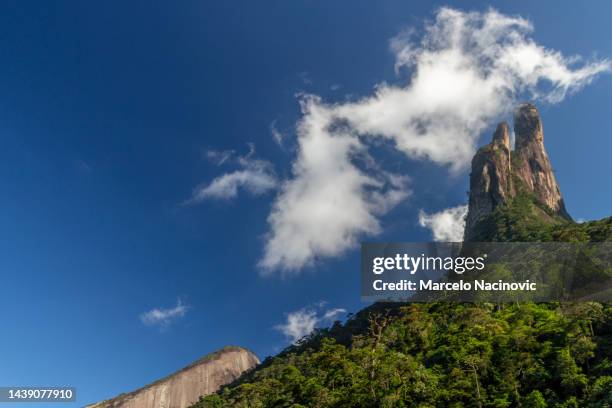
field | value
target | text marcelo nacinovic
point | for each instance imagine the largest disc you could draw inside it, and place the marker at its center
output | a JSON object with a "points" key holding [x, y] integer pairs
{"points": [[478, 271]]}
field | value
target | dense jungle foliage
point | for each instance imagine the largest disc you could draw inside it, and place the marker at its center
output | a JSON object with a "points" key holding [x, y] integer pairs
{"points": [[442, 355]]}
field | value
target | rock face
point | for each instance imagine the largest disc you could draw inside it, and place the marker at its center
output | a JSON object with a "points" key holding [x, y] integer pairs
{"points": [[183, 388], [498, 172], [533, 166]]}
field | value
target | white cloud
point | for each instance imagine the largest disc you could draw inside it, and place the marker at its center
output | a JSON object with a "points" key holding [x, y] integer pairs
{"points": [[255, 176], [447, 225], [331, 314], [255, 181], [302, 322], [219, 157], [276, 134], [163, 317], [299, 324], [465, 71], [305, 77], [330, 200]]}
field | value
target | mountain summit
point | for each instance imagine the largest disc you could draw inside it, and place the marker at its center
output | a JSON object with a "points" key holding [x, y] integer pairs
{"points": [[500, 175], [184, 388]]}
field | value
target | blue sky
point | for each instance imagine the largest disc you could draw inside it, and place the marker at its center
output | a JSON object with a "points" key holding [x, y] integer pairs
{"points": [[108, 115]]}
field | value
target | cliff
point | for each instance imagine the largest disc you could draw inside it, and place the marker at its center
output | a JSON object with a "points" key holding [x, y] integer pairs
{"points": [[185, 387], [499, 174]]}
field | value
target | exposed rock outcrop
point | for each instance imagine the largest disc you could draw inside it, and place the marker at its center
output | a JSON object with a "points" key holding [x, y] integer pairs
{"points": [[490, 179], [533, 166], [184, 388], [498, 172]]}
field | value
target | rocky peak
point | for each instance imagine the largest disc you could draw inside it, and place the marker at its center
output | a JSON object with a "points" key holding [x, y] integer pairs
{"points": [[490, 180], [501, 137], [184, 388], [533, 167], [528, 125], [498, 173]]}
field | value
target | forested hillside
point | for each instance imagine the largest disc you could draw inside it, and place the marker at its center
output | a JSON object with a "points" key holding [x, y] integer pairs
{"points": [[449, 354]]}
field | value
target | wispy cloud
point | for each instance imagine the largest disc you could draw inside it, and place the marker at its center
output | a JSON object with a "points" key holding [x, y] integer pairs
{"points": [[219, 157], [254, 176], [82, 167], [256, 180], [447, 225], [305, 77], [276, 134], [161, 317], [302, 322], [465, 71]]}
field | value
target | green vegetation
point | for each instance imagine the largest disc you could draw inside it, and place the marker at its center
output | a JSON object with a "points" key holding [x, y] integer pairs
{"points": [[451, 354], [442, 355], [523, 219]]}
